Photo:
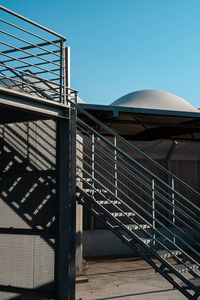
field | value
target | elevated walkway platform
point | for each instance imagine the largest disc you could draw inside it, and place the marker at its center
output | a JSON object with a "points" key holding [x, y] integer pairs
{"points": [[19, 106]]}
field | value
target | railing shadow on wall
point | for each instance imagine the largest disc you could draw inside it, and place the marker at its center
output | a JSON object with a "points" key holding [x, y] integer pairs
{"points": [[28, 203]]}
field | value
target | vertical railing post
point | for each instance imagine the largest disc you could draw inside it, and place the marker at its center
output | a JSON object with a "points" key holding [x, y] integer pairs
{"points": [[92, 175], [64, 74], [173, 209], [115, 165], [153, 212], [68, 83], [62, 55]]}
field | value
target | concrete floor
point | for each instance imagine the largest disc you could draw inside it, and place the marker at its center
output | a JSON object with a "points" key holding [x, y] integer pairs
{"points": [[124, 279]]}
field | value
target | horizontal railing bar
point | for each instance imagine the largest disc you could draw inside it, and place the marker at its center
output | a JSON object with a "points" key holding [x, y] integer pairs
{"points": [[137, 150], [139, 188], [42, 72], [149, 205], [30, 74], [32, 22], [29, 64], [163, 197], [38, 90], [50, 86], [139, 180], [54, 43], [184, 210], [27, 52], [21, 67], [35, 82], [38, 46], [139, 165], [29, 56], [155, 229], [34, 90], [28, 84]]}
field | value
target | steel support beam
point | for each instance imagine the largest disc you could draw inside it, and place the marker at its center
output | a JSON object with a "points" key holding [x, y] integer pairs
{"points": [[66, 215], [20, 101]]}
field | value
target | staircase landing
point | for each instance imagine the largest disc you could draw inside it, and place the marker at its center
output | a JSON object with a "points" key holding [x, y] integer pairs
{"points": [[19, 106]]}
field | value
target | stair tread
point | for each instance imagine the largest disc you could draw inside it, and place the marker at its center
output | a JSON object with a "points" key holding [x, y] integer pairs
{"points": [[166, 254], [135, 227], [108, 201], [182, 268], [145, 240], [90, 190], [124, 214]]}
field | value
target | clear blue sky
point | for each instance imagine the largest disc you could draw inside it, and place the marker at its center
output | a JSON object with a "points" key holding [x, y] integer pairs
{"points": [[119, 46]]}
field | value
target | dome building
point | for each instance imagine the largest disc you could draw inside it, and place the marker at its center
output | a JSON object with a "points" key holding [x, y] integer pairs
{"points": [[154, 99]]}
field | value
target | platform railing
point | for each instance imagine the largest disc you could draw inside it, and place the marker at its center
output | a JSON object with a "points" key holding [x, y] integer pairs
{"points": [[33, 58]]}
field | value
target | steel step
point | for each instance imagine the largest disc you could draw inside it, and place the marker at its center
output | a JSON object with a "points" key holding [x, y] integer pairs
{"points": [[167, 254], [146, 240], [86, 179], [124, 214], [108, 202], [136, 227], [133, 227], [95, 190], [182, 269]]}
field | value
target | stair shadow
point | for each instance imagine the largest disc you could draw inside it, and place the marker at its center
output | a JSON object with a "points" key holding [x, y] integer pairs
{"points": [[28, 184], [136, 294]]}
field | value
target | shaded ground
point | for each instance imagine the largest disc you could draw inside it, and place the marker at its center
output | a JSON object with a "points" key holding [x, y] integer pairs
{"points": [[124, 279]]}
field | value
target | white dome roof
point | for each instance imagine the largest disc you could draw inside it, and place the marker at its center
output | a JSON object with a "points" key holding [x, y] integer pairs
{"points": [[154, 99], [79, 100]]}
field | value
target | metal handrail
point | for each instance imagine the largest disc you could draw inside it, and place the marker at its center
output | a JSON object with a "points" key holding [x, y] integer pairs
{"points": [[141, 192], [146, 185], [31, 33], [141, 199], [32, 22], [138, 164], [107, 149], [23, 61], [28, 47], [136, 149], [148, 179], [133, 221]]}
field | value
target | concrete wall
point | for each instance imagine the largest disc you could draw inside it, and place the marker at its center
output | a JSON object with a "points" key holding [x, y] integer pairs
{"points": [[27, 200], [103, 242]]}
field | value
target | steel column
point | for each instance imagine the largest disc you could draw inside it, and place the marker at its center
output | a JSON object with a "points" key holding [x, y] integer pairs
{"points": [[66, 215]]}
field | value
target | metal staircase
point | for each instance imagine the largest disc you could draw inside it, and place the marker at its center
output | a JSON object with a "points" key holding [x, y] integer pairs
{"points": [[127, 191]]}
